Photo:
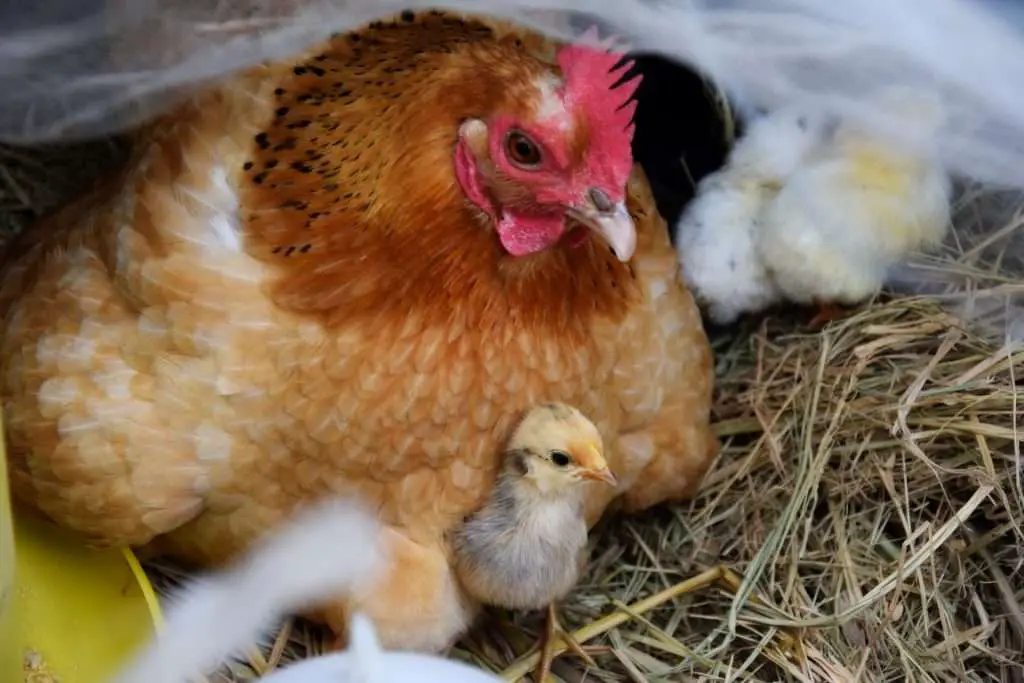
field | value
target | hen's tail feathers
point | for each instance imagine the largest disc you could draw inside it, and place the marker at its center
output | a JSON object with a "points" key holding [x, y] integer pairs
{"points": [[327, 549]]}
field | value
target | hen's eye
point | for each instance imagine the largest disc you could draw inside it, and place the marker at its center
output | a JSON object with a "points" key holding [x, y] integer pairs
{"points": [[561, 458], [522, 150]]}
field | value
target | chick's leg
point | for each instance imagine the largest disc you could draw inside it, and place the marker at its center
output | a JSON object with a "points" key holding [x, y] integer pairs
{"points": [[827, 312], [552, 633]]}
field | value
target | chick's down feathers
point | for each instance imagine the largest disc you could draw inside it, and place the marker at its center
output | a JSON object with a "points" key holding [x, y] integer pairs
{"points": [[859, 207], [715, 235], [286, 295]]}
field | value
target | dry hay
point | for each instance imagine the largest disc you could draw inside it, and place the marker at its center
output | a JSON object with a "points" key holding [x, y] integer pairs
{"points": [[867, 506]]}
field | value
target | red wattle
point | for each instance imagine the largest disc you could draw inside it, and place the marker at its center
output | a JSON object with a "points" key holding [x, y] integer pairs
{"points": [[523, 234]]}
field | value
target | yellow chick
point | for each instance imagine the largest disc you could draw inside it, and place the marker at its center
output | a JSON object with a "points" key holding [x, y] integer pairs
{"points": [[527, 546], [715, 234], [858, 207]]}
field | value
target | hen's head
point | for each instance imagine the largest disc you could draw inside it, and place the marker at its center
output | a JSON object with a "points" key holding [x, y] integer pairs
{"points": [[559, 151]]}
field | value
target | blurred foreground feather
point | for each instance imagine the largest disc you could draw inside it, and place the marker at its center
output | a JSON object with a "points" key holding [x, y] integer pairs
{"points": [[979, 274]]}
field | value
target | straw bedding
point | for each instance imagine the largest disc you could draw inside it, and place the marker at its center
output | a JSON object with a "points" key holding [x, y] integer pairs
{"points": [[863, 522]]}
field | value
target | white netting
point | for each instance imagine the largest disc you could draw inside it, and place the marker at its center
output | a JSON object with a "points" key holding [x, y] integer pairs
{"points": [[72, 68]]}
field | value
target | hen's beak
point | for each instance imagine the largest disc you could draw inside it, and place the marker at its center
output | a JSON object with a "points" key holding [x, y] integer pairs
{"points": [[608, 219], [594, 467]]}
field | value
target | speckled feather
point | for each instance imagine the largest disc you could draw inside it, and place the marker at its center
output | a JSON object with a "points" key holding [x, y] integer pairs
{"points": [[285, 295]]}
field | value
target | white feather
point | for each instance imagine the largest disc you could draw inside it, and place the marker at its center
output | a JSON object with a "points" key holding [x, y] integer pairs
{"points": [[829, 53], [327, 549]]}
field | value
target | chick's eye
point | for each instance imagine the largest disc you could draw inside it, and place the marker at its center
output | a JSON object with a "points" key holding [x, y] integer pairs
{"points": [[522, 150], [561, 458]]}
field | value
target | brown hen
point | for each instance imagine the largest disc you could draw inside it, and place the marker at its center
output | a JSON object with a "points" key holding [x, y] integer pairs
{"points": [[289, 293]]}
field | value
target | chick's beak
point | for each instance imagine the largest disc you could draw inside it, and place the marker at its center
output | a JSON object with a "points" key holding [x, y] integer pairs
{"points": [[610, 220], [594, 468], [604, 475]]}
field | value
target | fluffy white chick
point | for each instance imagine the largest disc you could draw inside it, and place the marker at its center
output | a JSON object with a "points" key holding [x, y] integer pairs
{"points": [[861, 204], [715, 234]]}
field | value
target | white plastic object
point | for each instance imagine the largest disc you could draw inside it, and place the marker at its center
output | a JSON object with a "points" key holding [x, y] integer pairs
{"points": [[365, 662]]}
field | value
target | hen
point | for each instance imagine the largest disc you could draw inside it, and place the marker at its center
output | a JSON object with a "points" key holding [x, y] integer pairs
{"points": [[348, 273]]}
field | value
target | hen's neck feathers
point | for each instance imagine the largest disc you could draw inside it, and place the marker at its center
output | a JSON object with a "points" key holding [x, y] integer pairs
{"points": [[350, 190]]}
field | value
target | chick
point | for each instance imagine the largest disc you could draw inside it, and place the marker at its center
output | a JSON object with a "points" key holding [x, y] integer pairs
{"points": [[526, 547], [858, 207], [715, 235]]}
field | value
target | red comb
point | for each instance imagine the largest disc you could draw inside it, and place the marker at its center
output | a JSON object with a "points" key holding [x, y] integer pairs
{"points": [[590, 77], [592, 83]]}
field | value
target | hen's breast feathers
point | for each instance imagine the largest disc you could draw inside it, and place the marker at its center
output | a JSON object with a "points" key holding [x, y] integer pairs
{"points": [[256, 317]]}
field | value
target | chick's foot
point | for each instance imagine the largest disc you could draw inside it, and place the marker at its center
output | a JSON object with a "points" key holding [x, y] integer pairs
{"points": [[552, 633]]}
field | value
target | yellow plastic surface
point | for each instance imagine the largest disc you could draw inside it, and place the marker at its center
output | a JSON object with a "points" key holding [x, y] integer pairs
{"points": [[10, 665], [83, 610]]}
